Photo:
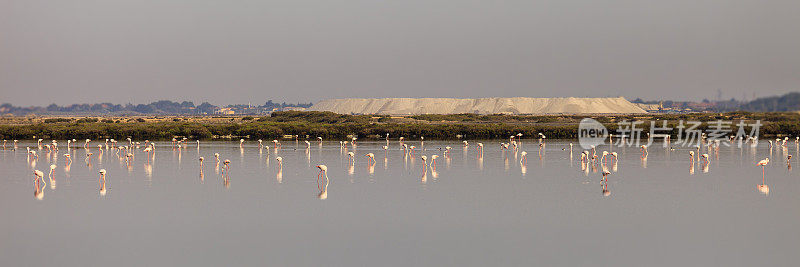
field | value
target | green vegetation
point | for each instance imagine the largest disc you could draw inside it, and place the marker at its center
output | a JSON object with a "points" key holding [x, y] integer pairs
{"points": [[337, 126]]}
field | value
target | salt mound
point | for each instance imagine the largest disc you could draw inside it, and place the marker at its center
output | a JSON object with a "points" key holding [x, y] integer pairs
{"points": [[494, 105]]}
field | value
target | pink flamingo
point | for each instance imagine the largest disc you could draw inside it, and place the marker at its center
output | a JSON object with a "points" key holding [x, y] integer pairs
{"points": [[370, 158], [323, 190], [763, 163]]}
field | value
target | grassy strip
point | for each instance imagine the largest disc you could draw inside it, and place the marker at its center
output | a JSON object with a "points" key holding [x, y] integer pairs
{"points": [[336, 126]]}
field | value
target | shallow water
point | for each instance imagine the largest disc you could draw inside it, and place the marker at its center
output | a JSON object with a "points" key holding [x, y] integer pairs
{"points": [[161, 211]]}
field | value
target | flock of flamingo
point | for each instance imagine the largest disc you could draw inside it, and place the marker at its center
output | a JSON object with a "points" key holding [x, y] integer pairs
{"points": [[590, 160]]}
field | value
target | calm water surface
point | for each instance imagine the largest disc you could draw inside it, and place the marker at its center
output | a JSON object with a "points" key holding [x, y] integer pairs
{"points": [[476, 212]]}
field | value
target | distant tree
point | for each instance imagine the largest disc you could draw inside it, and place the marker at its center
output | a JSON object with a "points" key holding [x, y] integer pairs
{"points": [[205, 107], [144, 108]]}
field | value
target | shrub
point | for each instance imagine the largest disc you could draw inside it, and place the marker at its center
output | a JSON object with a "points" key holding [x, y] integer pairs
{"points": [[87, 120], [54, 120]]}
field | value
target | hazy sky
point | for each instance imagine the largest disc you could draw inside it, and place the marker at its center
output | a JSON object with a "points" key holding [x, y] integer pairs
{"points": [[72, 51]]}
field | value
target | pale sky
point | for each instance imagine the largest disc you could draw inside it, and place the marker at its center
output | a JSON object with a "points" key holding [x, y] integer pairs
{"points": [[225, 52]]}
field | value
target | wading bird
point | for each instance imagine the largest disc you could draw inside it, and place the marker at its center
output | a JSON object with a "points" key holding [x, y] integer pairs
{"points": [[370, 158], [763, 163], [323, 190]]}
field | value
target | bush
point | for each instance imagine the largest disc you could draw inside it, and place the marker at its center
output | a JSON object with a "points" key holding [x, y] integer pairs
{"points": [[87, 120], [140, 120], [108, 121], [54, 120], [247, 118]]}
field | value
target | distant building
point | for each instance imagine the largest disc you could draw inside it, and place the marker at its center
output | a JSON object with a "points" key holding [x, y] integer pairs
{"points": [[224, 111]]}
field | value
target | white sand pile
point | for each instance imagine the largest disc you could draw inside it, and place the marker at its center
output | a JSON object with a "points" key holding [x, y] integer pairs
{"points": [[495, 105]]}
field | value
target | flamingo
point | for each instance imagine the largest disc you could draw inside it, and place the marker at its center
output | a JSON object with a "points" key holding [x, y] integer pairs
{"points": [[52, 176], [85, 145], [424, 164], [691, 157], [604, 183], [323, 190], [201, 163], [52, 169], [308, 144], [352, 157], [480, 148], [370, 158], [385, 147], [433, 162], [523, 158], [216, 156], [466, 144], [763, 163], [643, 148], [260, 143], [280, 162], [38, 191], [102, 182], [763, 187], [705, 158], [241, 141], [225, 167]]}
